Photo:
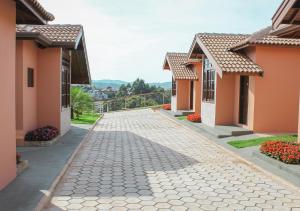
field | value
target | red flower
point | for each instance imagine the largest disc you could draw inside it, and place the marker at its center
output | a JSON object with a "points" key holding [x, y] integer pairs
{"points": [[194, 118], [283, 151], [167, 106]]}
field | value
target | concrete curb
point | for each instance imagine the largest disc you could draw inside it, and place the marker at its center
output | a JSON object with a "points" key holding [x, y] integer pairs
{"points": [[277, 164], [251, 164], [49, 193]]}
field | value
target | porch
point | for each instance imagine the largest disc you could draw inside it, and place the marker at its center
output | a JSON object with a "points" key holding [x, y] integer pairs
{"points": [[217, 131]]}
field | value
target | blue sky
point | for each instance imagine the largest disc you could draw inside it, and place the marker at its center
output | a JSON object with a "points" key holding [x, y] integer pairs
{"points": [[129, 39]]}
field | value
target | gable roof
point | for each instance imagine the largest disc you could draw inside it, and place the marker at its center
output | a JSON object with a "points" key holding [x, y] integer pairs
{"points": [[55, 35], [34, 7], [216, 48], [69, 37], [175, 63], [263, 37], [287, 13]]}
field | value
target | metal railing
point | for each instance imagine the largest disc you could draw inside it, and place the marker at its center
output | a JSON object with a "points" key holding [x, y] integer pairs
{"points": [[133, 101]]}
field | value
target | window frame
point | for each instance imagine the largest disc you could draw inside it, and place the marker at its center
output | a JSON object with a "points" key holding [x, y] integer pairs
{"points": [[65, 83], [209, 82], [30, 77], [174, 87]]}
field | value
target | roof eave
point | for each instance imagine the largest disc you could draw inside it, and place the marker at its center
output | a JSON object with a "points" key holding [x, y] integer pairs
{"points": [[166, 63], [38, 37], [35, 13], [278, 17]]}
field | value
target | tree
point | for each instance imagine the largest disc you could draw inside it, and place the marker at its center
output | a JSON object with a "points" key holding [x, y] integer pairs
{"points": [[80, 102]]}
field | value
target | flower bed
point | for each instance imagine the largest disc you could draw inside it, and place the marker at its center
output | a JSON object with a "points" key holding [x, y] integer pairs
{"points": [[283, 151], [194, 118], [42, 134], [167, 107]]}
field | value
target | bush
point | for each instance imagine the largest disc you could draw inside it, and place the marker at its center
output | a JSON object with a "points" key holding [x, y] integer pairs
{"points": [[194, 118], [286, 152], [167, 106], [42, 134]]}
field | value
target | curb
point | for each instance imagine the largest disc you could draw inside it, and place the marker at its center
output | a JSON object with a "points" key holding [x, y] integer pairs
{"points": [[249, 163], [44, 201], [277, 164]]}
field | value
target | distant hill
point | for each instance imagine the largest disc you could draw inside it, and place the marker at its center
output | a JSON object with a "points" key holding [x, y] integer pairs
{"points": [[165, 85], [101, 84]]}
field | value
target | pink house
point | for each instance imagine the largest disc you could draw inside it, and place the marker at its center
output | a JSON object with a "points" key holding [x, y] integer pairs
{"points": [[183, 83], [12, 12], [242, 80], [241, 76], [48, 59], [39, 62]]}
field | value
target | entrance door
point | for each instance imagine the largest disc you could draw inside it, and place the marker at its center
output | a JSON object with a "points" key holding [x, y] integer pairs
{"points": [[192, 95], [244, 87]]}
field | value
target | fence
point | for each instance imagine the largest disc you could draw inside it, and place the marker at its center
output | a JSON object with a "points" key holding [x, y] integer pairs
{"points": [[133, 101]]}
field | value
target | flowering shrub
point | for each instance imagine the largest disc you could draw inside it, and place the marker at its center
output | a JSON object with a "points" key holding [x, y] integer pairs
{"points": [[167, 106], [42, 134], [194, 118], [283, 151], [18, 157]]}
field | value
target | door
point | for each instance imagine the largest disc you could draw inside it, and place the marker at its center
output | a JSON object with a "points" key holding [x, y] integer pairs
{"points": [[192, 95], [244, 88]]}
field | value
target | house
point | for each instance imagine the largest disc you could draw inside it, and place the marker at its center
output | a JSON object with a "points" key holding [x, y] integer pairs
{"points": [[39, 62], [241, 80], [12, 12], [48, 59], [286, 23], [185, 84]]}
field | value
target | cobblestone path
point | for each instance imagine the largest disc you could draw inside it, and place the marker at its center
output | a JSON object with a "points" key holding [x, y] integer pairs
{"points": [[140, 160]]}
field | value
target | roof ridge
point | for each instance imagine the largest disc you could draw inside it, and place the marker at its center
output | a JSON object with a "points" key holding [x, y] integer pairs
{"points": [[176, 53], [221, 34], [40, 9]]}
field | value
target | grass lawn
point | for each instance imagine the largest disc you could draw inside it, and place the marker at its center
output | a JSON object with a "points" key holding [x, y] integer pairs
{"points": [[87, 119], [258, 141], [181, 117]]}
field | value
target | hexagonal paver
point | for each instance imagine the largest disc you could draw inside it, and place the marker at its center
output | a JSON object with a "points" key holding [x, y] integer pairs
{"points": [[140, 160]]}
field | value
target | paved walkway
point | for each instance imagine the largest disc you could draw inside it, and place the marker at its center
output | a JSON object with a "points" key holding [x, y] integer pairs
{"points": [[45, 163], [140, 160]]}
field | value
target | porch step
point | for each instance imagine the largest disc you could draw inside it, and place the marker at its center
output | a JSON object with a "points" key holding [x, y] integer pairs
{"points": [[182, 113], [220, 131]]}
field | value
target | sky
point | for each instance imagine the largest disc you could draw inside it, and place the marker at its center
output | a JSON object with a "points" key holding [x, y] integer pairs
{"points": [[127, 39]]}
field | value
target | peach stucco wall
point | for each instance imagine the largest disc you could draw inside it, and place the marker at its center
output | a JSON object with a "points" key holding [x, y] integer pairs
{"points": [[299, 123], [198, 88], [277, 92], [7, 93], [49, 89], [225, 96], [26, 97], [183, 94]]}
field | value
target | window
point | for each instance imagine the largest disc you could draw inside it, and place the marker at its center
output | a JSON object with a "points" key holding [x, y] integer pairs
{"points": [[173, 87], [30, 77], [65, 84], [208, 82]]}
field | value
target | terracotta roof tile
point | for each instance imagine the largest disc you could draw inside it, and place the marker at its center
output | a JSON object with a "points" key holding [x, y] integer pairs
{"points": [[57, 34], [217, 46], [263, 37], [180, 71], [40, 9]]}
